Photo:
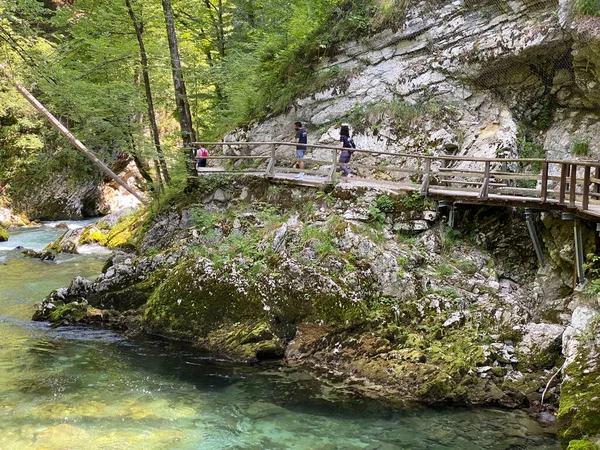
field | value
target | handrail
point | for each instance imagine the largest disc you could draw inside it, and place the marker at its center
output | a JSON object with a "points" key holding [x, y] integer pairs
{"points": [[573, 192], [582, 163]]}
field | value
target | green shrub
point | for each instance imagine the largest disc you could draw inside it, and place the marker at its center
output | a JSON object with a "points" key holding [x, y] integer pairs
{"points": [[589, 7], [581, 147]]}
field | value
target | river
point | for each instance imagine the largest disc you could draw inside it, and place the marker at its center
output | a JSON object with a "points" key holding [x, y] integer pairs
{"points": [[78, 388]]}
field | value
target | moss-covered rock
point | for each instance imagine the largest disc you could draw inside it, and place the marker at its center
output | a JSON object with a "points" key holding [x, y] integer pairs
{"points": [[579, 412], [582, 445], [67, 243], [3, 234], [92, 234]]}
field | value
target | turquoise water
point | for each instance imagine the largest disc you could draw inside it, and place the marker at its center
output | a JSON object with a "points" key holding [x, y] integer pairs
{"points": [[78, 388]]}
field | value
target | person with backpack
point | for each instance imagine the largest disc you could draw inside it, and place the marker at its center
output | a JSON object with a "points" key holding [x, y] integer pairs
{"points": [[201, 154], [346, 144]]}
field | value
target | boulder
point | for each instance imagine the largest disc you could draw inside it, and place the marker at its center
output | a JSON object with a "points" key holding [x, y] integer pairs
{"points": [[541, 345]]}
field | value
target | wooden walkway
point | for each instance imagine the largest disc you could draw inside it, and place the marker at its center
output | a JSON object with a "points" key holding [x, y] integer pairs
{"points": [[565, 185]]}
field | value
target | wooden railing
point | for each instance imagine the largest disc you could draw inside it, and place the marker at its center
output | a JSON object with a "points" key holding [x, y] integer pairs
{"points": [[571, 183]]}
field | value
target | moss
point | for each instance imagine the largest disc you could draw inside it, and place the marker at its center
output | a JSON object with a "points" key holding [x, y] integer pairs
{"points": [[3, 234], [195, 300], [582, 445], [73, 313], [93, 235], [131, 296], [579, 411], [123, 235]]}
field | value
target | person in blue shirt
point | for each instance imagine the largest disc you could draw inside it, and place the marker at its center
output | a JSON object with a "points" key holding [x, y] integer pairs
{"points": [[301, 138]]}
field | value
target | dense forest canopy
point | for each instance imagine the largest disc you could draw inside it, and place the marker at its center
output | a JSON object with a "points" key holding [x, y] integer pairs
{"points": [[240, 59]]}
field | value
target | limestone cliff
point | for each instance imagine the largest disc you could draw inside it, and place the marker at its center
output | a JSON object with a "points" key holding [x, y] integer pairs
{"points": [[476, 78]]}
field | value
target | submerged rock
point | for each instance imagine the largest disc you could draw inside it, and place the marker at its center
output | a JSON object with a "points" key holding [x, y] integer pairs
{"points": [[44, 255]]}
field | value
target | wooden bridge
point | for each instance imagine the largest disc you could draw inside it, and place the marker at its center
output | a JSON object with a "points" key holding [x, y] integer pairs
{"points": [[571, 186]]}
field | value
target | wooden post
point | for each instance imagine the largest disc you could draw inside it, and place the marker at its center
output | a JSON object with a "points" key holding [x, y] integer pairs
{"points": [[597, 175], [76, 143], [573, 185], [483, 193], [585, 200], [425, 186], [564, 170], [271, 166], [544, 191], [334, 163]]}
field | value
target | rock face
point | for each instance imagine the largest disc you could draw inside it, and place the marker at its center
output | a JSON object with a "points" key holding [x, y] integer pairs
{"points": [[333, 280], [60, 198], [459, 78]]}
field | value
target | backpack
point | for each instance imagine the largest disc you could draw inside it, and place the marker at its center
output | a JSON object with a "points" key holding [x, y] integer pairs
{"points": [[351, 143], [202, 153]]}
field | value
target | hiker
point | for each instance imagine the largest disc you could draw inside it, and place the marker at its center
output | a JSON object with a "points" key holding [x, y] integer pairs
{"points": [[201, 155], [346, 144], [301, 138]]}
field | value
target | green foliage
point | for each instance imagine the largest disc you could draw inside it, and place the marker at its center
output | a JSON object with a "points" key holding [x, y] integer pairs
{"points": [[403, 115], [581, 146], [450, 238], [385, 204], [529, 146], [3, 234], [467, 266], [589, 7], [376, 215], [415, 202], [445, 270], [592, 266]]}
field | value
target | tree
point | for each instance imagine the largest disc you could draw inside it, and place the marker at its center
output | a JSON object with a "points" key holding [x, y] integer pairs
{"points": [[138, 27], [181, 98]]}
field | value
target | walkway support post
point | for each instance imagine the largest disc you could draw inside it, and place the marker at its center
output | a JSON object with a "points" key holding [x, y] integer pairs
{"points": [[534, 236], [66, 133], [579, 259]]}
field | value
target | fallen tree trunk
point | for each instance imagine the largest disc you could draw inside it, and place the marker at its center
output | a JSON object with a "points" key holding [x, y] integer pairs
{"points": [[66, 133]]}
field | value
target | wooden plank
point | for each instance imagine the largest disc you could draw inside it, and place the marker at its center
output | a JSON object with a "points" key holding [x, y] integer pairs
{"points": [[544, 192], [597, 179], [384, 168], [573, 185], [514, 190], [474, 183], [585, 200], [564, 169]]}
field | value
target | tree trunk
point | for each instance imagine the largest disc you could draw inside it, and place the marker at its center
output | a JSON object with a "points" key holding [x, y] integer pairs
{"points": [[181, 99], [151, 115], [76, 142]]}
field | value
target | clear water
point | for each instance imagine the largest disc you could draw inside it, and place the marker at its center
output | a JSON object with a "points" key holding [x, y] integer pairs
{"points": [[88, 389]]}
